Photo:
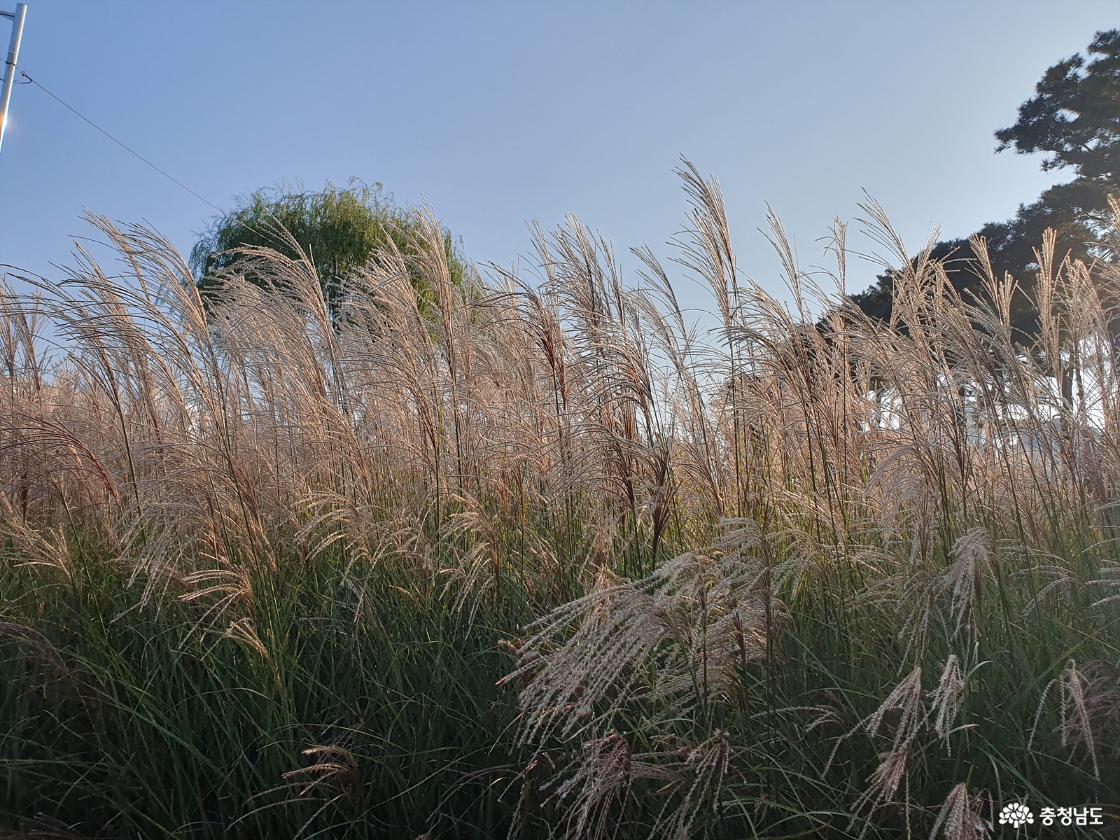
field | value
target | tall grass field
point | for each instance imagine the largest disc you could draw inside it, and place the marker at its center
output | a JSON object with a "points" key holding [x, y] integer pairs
{"points": [[545, 556]]}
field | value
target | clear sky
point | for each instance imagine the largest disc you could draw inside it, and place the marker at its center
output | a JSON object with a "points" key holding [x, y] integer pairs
{"points": [[498, 113]]}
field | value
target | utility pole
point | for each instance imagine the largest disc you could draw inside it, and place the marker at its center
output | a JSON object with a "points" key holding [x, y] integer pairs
{"points": [[17, 18]]}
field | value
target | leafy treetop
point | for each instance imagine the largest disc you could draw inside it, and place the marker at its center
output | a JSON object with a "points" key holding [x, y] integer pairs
{"points": [[340, 229]]}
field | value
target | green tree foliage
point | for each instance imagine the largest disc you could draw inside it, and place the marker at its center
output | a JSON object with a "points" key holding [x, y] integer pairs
{"points": [[340, 229], [1073, 118]]}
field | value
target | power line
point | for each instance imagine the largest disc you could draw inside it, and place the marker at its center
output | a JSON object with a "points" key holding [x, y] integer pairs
{"points": [[121, 143]]}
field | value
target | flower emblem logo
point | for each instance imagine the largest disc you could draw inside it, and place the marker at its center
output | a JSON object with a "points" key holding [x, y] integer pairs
{"points": [[1016, 815]]}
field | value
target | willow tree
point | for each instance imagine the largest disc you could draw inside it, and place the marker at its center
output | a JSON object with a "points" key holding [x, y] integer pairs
{"points": [[341, 230]]}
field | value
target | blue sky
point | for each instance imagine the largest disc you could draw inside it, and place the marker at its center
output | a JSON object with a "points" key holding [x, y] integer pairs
{"points": [[498, 113]]}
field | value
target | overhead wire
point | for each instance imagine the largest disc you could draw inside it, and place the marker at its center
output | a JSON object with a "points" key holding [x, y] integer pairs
{"points": [[120, 142]]}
